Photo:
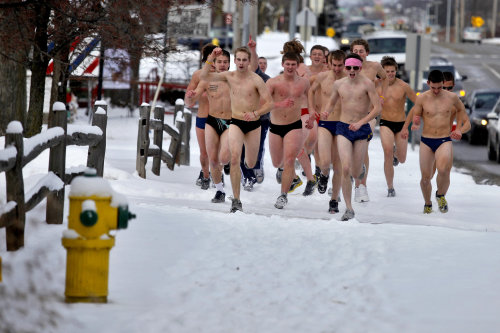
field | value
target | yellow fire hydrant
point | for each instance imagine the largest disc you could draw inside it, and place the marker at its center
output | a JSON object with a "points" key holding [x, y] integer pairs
{"points": [[94, 210]]}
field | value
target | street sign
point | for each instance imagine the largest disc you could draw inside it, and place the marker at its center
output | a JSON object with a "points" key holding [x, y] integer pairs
{"points": [[477, 21], [306, 15], [189, 21]]}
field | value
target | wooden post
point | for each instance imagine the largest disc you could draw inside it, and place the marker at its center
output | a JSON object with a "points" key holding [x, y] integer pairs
{"points": [[142, 140], [15, 192], [57, 164], [186, 136], [97, 152], [180, 124], [179, 106], [159, 114]]}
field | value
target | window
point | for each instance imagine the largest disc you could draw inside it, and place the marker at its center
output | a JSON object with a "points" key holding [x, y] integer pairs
{"points": [[387, 45]]}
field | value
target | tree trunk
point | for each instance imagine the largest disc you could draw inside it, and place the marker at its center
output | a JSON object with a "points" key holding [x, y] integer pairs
{"points": [[12, 92], [38, 70], [135, 60]]}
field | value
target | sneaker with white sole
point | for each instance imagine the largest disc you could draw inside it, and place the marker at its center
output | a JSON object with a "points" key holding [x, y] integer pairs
{"points": [[349, 214], [249, 184], [198, 180], [205, 183], [219, 197], [296, 182], [322, 183], [310, 187], [281, 201], [391, 193], [361, 194], [442, 203], [236, 205]]}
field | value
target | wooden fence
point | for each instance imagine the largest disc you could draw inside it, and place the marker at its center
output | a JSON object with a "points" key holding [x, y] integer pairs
{"points": [[178, 151], [19, 152]]}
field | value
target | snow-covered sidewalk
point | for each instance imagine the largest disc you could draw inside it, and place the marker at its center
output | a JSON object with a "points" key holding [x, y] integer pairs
{"points": [[187, 265]]}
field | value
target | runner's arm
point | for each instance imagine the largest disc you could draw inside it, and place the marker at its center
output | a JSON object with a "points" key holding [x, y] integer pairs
{"points": [[205, 73]]}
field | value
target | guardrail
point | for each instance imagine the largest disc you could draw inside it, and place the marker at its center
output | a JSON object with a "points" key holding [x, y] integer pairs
{"points": [[18, 152]]}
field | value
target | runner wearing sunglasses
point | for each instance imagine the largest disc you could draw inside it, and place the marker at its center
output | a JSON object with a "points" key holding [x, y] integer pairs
{"points": [[374, 71], [357, 95]]}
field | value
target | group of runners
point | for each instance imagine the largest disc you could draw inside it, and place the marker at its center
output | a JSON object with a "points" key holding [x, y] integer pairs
{"points": [[326, 110]]}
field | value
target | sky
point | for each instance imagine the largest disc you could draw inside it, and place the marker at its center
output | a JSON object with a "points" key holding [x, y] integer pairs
{"points": [[188, 265]]}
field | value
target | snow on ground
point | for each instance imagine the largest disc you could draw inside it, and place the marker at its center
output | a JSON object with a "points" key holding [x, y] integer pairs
{"points": [[187, 265]]}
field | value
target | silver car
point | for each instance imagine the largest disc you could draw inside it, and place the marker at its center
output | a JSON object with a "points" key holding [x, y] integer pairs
{"points": [[473, 35], [493, 127]]}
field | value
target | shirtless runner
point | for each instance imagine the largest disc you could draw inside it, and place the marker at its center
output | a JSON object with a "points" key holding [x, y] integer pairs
{"points": [[374, 71], [327, 128], [285, 138], [435, 108], [392, 121], [246, 91], [357, 96], [219, 118], [201, 118]]}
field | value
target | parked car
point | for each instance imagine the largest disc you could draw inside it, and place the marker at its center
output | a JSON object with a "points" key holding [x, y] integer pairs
{"points": [[473, 35], [354, 30], [444, 65], [216, 34], [478, 104], [388, 43], [493, 128]]}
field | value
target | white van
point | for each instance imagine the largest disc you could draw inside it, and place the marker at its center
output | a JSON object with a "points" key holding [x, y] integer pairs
{"points": [[388, 43]]}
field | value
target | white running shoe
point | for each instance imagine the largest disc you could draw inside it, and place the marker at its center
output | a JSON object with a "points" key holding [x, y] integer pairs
{"points": [[361, 194]]}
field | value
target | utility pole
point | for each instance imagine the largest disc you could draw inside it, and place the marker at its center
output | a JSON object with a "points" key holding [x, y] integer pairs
{"points": [[292, 24], [448, 20], [462, 17], [237, 26], [457, 21], [494, 19], [246, 24]]}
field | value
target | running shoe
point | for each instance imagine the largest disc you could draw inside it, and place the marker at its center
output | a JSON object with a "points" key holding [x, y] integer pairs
{"points": [[427, 209], [259, 175], [236, 205], [200, 177], [442, 203], [227, 169], [310, 187], [322, 183], [249, 184], [361, 194], [349, 214], [295, 183], [205, 183], [391, 193], [281, 201], [317, 172], [333, 207], [219, 197], [279, 172]]}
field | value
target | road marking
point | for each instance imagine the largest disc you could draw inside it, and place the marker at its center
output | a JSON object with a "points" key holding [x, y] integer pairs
{"points": [[492, 70]]}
